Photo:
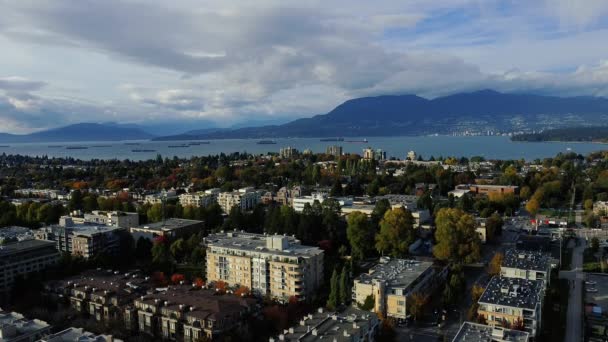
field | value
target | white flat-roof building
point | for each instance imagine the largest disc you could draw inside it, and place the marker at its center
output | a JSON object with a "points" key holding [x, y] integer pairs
{"points": [[14, 327], [244, 199]]}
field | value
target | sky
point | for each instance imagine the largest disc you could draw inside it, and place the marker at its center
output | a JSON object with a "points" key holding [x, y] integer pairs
{"points": [[221, 63]]}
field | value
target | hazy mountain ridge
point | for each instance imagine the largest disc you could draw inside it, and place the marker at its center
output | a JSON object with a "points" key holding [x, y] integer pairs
{"points": [[81, 132], [393, 115]]}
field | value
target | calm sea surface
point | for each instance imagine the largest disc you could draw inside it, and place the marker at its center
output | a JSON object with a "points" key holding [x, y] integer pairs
{"points": [[490, 147]]}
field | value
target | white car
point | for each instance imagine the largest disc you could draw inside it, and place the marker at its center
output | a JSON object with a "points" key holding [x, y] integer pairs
{"points": [[592, 290]]}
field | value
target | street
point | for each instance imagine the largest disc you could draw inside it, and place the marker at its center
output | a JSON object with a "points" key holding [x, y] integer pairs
{"points": [[576, 277]]}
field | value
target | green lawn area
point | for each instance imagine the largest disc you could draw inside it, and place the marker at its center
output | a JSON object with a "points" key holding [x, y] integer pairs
{"points": [[555, 310]]}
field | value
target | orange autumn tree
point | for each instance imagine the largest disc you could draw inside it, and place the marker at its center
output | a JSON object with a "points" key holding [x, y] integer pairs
{"points": [[199, 282], [242, 291], [176, 278], [221, 286]]}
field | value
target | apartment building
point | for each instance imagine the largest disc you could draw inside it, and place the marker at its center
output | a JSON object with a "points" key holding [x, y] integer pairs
{"points": [[79, 335], [158, 198], [120, 219], [172, 228], [85, 240], [24, 257], [530, 265], [274, 265], [14, 327], [351, 325], [393, 281], [334, 150], [474, 332], [244, 199], [183, 313], [514, 303], [486, 189], [199, 199], [371, 154], [288, 152]]}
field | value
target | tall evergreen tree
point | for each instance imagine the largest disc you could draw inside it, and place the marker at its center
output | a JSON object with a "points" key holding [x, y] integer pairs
{"points": [[332, 300], [344, 288]]}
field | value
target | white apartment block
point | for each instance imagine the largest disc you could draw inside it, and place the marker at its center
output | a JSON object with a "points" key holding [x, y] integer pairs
{"points": [[199, 199], [14, 327], [244, 199]]}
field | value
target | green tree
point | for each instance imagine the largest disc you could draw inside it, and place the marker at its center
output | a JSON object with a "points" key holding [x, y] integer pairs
{"points": [[332, 300], [456, 237], [595, 244], [379, 210], [344, 288], [155, 213], [494, 225], [396, 233], [178, 249], [75, 202], [368, 304], [358, 234]]}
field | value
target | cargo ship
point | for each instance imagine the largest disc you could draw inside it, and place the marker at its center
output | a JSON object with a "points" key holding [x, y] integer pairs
{"points": [[266, 142], [357, 141], [331, 139]]}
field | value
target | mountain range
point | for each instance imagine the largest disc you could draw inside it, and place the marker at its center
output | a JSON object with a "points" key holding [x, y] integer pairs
{"points": [[81, 132], [395, 115]]}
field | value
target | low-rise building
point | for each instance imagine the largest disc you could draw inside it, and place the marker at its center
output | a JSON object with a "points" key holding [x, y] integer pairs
{"points": [[24, 257], [487, 189], [85, 240], [274, 265], [531, 265], [244, 199], [77, 335], [474, 332], [350, 325], [392, 282], [121, 219], [172, 228], [199, 199], [158, 198], [513, 302], [14, 327], [180, 312]]}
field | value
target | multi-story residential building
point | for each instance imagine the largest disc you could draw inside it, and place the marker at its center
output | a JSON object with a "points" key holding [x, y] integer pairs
{"points": [[41, 193], [101, 294], [288, 152], [77, 334], [531, 265], [393, 281], [199, 199], [334, 150], [172, 228], [513, 302], [371, 154], [298, 203], [24, 257], [279, 266], [351, 325], [244, 199], [411, 155], [119, 219], [474, 332], [158, 198], [82, 239], [487, 189], [182, 313], [14, 327]]}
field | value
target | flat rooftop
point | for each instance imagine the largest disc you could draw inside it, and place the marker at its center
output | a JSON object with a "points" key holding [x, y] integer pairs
{"points": [[513, 292], [240, 240], [169, 224], [396, 272], [527, 260], [76, 334], [330, 326], [23, 326], [25, 245], [473, 332]]}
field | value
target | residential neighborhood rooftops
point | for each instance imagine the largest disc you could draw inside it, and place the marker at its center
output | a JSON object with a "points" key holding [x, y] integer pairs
{"points": [[169, 224], [15, 327], [474, 332], [395, 272], [527, 260], [513, 292], [77, 334]]}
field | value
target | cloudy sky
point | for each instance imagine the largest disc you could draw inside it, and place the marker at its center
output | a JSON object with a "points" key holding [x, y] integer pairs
{"points": [[235, 62]]}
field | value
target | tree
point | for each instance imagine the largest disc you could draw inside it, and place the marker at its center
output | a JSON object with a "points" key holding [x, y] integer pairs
{"points": [[344, 292], [533, 206], [332, 300], [368, 304], [456, 237], [199, 282], [242, 291], [495, 263], [476, 293], [396, 233], [588, 204], [221, 287], [358, 235], [381, 207], [177, 278], [417, 304], [75, 202], [177, 249], [595, 244]]}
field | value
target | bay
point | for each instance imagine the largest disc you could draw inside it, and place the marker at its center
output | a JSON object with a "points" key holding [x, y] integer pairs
{"points": [[490, 147]]}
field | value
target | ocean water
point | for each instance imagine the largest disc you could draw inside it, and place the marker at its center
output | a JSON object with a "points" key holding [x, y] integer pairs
{"points": [[490, 147]]}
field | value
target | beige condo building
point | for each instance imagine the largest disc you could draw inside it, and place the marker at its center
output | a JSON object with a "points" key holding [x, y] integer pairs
{"points": [[278, 266]]}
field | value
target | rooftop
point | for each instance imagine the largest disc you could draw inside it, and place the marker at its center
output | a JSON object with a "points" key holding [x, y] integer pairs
{"points": [[13, 326], [513, 292], [527, 260], [77, 334], [170, 224], [330, 326], [473, 332], [395, 272], [274, 244], [25, 245]]}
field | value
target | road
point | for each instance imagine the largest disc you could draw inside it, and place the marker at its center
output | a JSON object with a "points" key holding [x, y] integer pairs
{"points": [[575, 302]]}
